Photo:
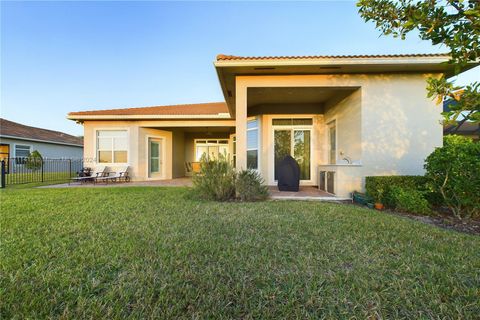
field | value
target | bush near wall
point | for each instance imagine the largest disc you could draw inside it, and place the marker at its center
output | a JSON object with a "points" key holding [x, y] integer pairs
{"points": [[215, 181], [381, 188], [250, 186], [410, 200], [453, 171], [218, 180]]}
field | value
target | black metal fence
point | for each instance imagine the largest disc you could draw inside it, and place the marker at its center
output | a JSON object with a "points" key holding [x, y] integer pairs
{"points": [[27, 170]]}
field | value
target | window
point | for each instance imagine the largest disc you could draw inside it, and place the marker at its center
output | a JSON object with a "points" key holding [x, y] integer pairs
{"points": [[332, 142], [292, 122], [112, 146], [234, 156], [212, 148], [252, 143], [21, 153]]}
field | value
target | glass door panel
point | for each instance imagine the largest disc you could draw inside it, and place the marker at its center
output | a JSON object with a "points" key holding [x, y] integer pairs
{"points": [[155, 158], [333, 144], [282, 147], [301, 152], [202, 151]]}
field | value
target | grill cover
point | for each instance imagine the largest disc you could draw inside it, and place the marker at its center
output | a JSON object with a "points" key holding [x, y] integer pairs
{"points": [[288, 174]]}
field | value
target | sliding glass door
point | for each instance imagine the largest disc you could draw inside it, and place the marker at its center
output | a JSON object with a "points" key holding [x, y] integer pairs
{"points": [[296, 143]]}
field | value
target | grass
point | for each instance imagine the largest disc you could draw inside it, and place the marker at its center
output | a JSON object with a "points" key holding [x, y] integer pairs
{"points": [[156, 253]]}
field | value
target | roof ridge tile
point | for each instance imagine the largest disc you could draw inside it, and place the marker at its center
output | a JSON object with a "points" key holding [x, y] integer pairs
{"points": [[225, 57]]}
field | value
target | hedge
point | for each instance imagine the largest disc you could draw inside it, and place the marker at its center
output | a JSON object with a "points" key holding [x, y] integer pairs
{"points": [[381, 188]]}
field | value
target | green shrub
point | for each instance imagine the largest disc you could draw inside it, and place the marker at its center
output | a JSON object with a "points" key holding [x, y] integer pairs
{"points": [[216, 180], [454, 171], [410, 200], [34, 160], [250, 186], [380, 187]]}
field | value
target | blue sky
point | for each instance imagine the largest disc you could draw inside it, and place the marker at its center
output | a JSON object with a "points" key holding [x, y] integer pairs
{"points": [[58, 57]]}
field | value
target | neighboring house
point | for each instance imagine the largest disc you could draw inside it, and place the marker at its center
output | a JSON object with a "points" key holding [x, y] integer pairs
{"points": [[341, 117], [18, 140], [466, 129]]}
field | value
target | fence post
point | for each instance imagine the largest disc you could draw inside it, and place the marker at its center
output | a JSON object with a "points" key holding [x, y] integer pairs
{"points": [[41, 161], [3, 174], [69, 168]]}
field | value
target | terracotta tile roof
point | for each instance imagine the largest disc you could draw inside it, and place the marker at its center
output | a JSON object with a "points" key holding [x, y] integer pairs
{"points": [[223, 57], [212, 108], [13, 129]]}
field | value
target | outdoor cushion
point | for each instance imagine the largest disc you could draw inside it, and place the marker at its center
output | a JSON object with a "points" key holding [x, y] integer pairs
{"points": [[288, 174]]}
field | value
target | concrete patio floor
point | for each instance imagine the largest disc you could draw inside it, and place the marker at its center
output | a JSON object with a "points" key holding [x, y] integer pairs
{"points": [[177, 182], [305, 192]]}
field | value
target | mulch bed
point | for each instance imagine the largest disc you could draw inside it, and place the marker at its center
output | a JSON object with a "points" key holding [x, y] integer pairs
{"points": [[442, 219], [470, 226]]}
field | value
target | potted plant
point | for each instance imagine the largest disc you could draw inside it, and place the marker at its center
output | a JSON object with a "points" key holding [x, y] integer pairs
{"points": [[378, 199]]}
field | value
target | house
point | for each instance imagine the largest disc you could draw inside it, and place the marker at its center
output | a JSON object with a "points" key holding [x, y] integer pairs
{"points": [[341, 117], [18, 140]]}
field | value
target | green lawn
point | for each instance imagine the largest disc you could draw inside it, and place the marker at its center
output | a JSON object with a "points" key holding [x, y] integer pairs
{"points": [[156, 253]]}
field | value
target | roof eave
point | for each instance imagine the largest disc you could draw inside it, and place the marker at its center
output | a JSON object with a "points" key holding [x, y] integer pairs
{"points": [[75, 117], [41, 140], [223, 86]]}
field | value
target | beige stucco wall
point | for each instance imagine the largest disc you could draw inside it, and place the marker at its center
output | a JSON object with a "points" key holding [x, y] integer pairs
{"points": [[347, 117], [141, 165], [137, 146], [89, 141], [388, 126], [178, 145]]}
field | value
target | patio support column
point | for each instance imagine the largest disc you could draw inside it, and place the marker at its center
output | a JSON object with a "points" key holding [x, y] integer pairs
{"points": [[241, 123]]}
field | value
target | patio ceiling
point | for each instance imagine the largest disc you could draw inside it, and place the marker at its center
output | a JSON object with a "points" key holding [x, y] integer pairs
{"points": [[205, 129], [278, 100]]}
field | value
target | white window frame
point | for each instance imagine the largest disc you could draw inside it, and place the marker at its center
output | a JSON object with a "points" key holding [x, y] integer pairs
{"points": [[207, 144], [330, 124], [95, 151], [258, 128], [163, 172], [21, 145], [22, 160]]}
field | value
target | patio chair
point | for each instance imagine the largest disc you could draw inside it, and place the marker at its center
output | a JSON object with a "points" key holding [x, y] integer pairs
{"points": [[115, 176], [188, 167], [98, 171], [196, 167]]}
